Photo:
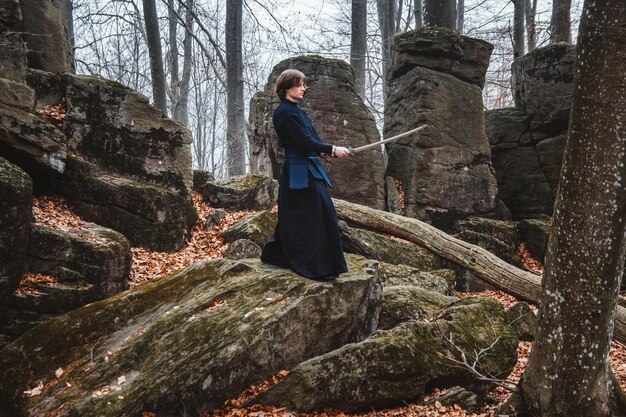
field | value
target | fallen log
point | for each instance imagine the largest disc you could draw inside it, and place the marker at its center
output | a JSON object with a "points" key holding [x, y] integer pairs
{"points": [[521, 284]]}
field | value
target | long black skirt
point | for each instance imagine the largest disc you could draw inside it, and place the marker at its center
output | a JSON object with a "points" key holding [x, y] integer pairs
{"points": [[307, 237]]}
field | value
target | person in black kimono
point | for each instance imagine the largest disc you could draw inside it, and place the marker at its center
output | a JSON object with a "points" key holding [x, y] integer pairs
{"points": [[307, 237]]}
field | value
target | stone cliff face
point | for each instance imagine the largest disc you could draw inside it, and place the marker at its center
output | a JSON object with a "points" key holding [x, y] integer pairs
{"points": [[436, 78], [117, 161], [339, 116], [527, 141]]}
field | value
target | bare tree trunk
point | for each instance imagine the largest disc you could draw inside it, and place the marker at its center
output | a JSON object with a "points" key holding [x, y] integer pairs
{"points": [[460, 16], [179, 87], [531, 26], [568, 372], [156, 56], [182, 113], [561, 22], [518, 28], [386, 19], [173, 55], [440, 13], [418, 14], [358, 46], [398, 15], [235, 129]]}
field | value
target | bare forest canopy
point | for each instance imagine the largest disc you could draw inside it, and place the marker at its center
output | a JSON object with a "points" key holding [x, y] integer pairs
{"points": [[111, 40]]}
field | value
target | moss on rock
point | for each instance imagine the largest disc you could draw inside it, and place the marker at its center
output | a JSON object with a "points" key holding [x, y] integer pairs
{"points": [[257, 227], [198, 336], [400, 365]]}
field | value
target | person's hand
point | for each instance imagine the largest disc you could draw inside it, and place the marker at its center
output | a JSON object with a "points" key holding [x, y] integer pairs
{"points": [[341, 152], [326, 157]]}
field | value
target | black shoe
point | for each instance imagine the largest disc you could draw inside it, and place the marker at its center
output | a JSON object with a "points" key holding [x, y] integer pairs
{"points": [[328, 278]]}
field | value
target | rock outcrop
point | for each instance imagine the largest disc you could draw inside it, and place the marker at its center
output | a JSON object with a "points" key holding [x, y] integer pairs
{"points": [[80, 264], [499, 237], [400, 365], [257, 227], [242, 249], [527, 141], [199, 336], [89, 256], [339, 116], [117, 160], [440, 280], [407, 302], [44, 28], [16, 189], [245, 192], [534, 233], [436, 78]]}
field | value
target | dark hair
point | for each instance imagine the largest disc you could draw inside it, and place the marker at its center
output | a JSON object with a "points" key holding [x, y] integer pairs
{"points": [[287, 79]]}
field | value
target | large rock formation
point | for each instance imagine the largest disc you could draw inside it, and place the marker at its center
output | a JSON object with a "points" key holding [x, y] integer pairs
{"points": [[199, 336], [116, 159], [16, 189], [257, 227], [415, 355], [436, 78], [44, 27], [81, 264], [339, 116], [527, 141], [243, 192]]}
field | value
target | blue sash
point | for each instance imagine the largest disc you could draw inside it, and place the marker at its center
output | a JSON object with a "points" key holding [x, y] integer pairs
{"points": [[300, 165]]}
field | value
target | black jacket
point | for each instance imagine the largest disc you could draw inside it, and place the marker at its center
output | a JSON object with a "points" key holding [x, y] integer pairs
{"points": [[302, 144]]}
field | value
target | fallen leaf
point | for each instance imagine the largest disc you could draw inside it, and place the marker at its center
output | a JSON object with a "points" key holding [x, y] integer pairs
{"points": [[35, 391], [59, 372]]}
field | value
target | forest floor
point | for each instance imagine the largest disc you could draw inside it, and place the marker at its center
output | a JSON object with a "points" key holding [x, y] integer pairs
{"points": [[203, 244]]}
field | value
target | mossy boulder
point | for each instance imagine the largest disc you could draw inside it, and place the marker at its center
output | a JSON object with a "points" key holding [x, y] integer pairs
{"points": [[542, 85], [196, 337], [436, 78], [87, 255], [242, 249], [373, 245], [245, 192], [119, 161], [13, 64], [444, 51], [214, 218], [150, 215], [440, 280], [400, 365], [534, 233], [201, 177], [497, 236], [524, 320], [467, 400], [405, 302], [16, 94], [88, 263], [44, 27], [257, 227], [16, 189], [32, 141]]}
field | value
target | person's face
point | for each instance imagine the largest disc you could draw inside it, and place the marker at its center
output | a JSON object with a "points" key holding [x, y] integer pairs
{"points": [[296, 92]]}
